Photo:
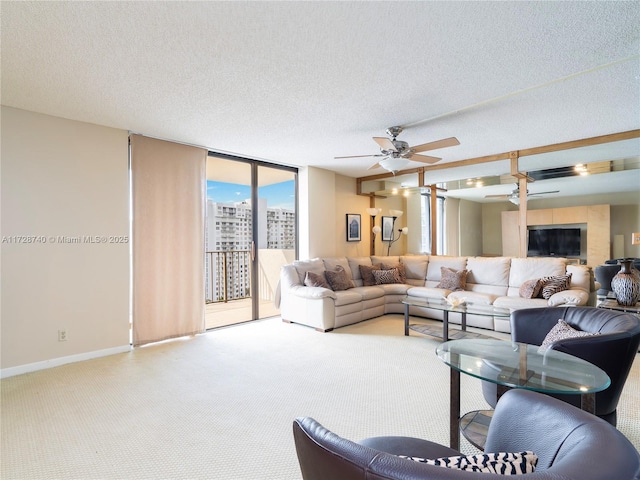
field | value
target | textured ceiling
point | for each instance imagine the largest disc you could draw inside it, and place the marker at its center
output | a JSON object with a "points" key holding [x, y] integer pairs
{"points": [[301, 82]]}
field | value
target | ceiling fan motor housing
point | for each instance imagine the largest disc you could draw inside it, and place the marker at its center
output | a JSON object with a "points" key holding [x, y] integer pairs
{"points": [[394, 132], [401, 148]]}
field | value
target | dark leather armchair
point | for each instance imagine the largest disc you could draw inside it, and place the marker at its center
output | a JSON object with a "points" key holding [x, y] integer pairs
{"points": [[570, 444], [614, 350]]}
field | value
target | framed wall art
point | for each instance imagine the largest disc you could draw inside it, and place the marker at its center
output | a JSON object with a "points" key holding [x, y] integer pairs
{"points": [[387, 229], [354, 227]]}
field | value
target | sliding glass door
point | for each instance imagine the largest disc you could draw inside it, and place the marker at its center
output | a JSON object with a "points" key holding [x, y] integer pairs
{"points": [[250, 233]]}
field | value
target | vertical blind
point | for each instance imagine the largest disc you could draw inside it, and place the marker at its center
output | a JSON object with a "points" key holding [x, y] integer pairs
{"points": [[168, 187]]}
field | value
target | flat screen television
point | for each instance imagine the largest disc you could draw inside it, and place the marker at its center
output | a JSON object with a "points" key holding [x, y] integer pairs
{"points": [[554, 242]]}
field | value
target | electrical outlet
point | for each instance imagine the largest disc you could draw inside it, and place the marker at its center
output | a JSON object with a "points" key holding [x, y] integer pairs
{"points": [[62, 335]]}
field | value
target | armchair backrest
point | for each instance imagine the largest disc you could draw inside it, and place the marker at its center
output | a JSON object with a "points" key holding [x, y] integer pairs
{"points": [[613, 350], [569, 442]]}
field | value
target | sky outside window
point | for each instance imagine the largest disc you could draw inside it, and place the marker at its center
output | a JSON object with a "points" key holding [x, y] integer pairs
{"points": [[278, 195]]}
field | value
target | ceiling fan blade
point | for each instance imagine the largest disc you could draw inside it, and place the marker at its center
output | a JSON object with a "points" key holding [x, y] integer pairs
{"points": [[384, 143], [361, 156], [423, 158], [375, 165], [543, 193], [445, 142], [497, 196]]}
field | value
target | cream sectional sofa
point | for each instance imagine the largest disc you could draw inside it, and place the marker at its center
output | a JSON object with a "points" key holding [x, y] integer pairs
{"points": [[490, 281]]}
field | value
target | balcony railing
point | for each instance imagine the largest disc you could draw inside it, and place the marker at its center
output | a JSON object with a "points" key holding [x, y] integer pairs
{"points": [[228, 275]]}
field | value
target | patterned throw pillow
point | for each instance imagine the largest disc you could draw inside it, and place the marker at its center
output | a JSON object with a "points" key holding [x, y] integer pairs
{"points": [[551, 285], [502, 463], [315, 280], [402, 275], [366, 272], [386, 276], [452, 279], [339, 279], [531, 288], [562, 330]]}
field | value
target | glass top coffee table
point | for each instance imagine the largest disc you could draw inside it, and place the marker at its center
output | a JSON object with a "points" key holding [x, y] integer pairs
{"points": [[442, 305], [518, 365]]}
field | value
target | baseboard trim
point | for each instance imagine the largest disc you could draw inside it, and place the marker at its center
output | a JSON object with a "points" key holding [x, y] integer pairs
{"points": [[56, 362]]}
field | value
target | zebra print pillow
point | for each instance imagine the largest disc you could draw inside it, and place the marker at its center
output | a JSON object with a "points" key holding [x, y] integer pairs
{"points": [[502, 463], [551, 285]]}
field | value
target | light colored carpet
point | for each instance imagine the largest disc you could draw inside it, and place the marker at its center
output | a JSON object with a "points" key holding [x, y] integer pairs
{"points": [[220, 405]]}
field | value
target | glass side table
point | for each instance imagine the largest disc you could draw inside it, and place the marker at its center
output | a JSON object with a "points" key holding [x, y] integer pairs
{"points": [[517, 365]]}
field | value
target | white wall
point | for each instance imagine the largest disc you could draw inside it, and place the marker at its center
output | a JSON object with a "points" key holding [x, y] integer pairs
{"points": [[317, 237], [62, 178], [470, 228]]}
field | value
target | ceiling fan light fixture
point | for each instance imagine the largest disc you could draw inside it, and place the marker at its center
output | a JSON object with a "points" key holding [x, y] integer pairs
{"points": [[393, 165]]}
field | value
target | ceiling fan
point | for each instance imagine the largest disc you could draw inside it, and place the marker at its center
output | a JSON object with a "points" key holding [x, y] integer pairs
{"points": [[514, 196], [397, 153]]}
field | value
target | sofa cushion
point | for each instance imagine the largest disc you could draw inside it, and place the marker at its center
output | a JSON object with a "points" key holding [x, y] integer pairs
{"points": [[523, 269], [582, 277], [434, 272], [331, 263], [415, 266], [315, 265], [386, 276], [316, 280], [339, 279], [368, 293], [531, 288], [394, 289], [555, 284], [473, 297], [389, 260], [519, 302], [452, 279], [354, 266], [431, 293], [488, 270], [347, 297], [561, 331]]}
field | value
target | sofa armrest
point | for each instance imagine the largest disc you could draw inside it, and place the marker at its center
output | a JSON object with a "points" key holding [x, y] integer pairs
{"points": [[312, 292], [571, 297]]}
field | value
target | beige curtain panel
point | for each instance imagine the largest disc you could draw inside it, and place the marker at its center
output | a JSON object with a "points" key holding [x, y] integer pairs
{"points": [[168, 195]]}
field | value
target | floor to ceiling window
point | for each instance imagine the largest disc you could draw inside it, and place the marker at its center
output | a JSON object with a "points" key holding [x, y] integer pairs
{"points": [[250, 232]]}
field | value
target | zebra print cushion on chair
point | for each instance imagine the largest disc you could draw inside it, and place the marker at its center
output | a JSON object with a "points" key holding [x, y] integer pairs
{"points": [[502, 463]]}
